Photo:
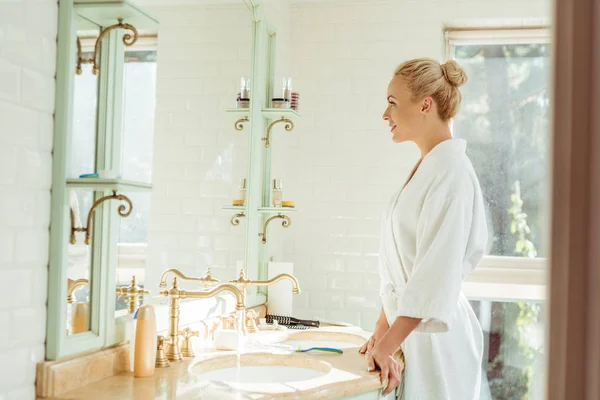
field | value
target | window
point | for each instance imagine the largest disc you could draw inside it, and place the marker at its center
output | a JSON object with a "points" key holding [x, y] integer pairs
{"points": [[138, 144], [505, 118], [513, 356]]}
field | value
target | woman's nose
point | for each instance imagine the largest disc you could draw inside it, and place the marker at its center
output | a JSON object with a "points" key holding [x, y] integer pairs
{"points": [[385, 115]]}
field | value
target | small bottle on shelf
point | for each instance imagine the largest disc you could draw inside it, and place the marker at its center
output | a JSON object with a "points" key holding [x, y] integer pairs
{"points": [[287, 89], [276, 196], [243, 190]]}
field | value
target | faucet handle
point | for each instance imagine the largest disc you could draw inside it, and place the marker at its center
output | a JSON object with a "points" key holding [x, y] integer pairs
{"points": [[161, 359], [228, 321], [251, 316], [186, 346]]}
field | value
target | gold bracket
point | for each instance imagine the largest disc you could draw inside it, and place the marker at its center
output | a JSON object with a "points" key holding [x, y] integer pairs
{"points": [[235, 220], [128, 40], [239, 124], [289, 126], [132, 295], [285, 223], [76, 284], [88, 230]]}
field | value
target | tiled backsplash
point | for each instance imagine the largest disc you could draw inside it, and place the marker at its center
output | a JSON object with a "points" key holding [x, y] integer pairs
{"points": [[27, 64]]}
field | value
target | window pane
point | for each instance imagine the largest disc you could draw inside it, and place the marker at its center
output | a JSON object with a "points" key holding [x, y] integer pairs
{"points": [[514, 359], [138, 138], [138, 115], [505, 118]]}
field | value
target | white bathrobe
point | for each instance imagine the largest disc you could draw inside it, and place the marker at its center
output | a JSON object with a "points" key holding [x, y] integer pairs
{"points": [[433, 235]]}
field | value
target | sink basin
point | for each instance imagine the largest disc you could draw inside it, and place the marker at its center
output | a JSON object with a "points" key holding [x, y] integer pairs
{"points": [[260, 368], [339, 340]]}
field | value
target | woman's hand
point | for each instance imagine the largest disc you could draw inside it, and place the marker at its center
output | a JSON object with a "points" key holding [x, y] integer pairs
{"points": [[381, 327], [390, 365], [375, 337]]}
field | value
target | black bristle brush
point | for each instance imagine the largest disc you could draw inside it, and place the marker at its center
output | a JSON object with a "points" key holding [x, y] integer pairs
{"points": [[290, 321]]}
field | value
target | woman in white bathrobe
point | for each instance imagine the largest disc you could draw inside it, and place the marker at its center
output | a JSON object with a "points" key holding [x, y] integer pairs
{"points": [[433, 235]]}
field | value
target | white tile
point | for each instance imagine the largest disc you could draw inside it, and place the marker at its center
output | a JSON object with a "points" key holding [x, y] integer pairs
{"points": [[41, 17], [330, 301], [8, 164], [16, 288], [28, 326], [35, 169], [17, 208], [10, 78], [43, 209], [345, 281], [46, 132], [37, 90], [22, 125], [5, 330], [32, 246], [7, 245]]}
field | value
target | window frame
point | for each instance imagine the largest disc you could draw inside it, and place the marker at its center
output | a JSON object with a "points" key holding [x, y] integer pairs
{"points": [[503, 278]]}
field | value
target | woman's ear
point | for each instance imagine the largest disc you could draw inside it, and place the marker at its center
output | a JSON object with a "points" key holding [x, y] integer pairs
{"points": [[426, 105]]}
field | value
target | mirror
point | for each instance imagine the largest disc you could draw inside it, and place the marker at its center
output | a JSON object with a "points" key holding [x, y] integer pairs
{"points": [[179, 136], [83, 158]]}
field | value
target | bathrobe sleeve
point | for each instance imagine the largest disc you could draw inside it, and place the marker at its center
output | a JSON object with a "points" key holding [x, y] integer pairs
{"points": [[433, 287]]}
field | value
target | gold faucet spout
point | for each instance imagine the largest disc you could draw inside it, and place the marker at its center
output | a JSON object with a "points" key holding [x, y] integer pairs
{"points": [[76, 284], [175, 295], [240, 303], [277, 278], [206, 280], [242, 282]]}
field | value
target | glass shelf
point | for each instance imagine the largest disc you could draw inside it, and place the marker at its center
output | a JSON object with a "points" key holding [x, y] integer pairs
{"points": [[103, 185], [234, 208], [276, 210], [278, 113]]}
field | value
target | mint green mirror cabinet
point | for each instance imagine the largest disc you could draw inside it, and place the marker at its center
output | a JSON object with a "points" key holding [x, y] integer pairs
{"points": [[87, 188]]}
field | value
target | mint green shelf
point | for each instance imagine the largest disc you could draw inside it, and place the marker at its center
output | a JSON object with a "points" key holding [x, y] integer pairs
{"points": [[106, 13], [103, 185]]}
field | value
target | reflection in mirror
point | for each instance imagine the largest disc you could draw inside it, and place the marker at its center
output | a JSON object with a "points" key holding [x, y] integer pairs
{"points": [[138, 141], [200, 159], [85, 109], [79, 266], [83, 158]]}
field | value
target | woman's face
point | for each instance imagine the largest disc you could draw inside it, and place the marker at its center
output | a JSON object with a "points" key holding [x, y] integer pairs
{"points": [[404, 116]]}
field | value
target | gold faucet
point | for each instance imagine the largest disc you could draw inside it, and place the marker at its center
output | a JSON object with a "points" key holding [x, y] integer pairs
{"points": [[132, 294], [175, 295], [76, 284], [242, 283], [206, 280]]}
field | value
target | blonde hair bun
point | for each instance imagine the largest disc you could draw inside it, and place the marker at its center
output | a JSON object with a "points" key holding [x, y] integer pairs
{"points": [[454, 73]]}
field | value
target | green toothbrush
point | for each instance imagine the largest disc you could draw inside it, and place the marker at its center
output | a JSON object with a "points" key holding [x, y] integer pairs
{"points": [[331, 349]]}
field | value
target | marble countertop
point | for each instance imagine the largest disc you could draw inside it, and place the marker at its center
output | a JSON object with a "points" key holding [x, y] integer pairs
{"points": [[346, 375]]}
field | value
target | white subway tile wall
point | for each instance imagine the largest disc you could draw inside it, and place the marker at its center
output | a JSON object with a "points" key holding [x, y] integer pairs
{"points": [[342, 165], [199, 157], [28, 30]]}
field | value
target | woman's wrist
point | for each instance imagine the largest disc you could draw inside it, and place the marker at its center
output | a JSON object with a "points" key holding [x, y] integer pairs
{"points": [[385, 346], [382, 326]]}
